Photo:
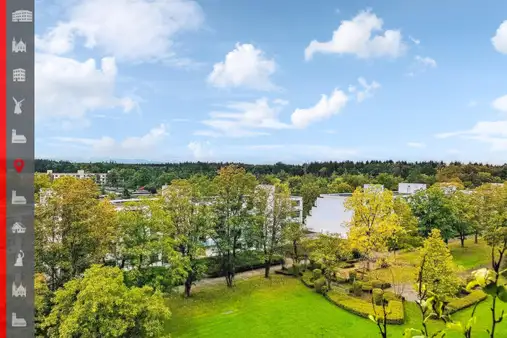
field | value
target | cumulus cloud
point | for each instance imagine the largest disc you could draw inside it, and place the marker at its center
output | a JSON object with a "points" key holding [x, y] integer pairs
{"points": [[130, 148], [242, 119], [245, 66], [357, 37], [500, 39], [129, 30], [68, 90], [325, 108]]}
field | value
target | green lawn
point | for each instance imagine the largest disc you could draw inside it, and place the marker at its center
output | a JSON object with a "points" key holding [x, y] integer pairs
{"points": [[283, 307]]}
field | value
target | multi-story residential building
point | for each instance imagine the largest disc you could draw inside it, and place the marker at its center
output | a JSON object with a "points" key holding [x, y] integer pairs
{"points": [[329, 214], [99, 178]]}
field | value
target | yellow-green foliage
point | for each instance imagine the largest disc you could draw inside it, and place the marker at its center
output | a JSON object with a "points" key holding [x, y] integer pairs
{"points": [[458, 304], [364, 308], [307, 279]]}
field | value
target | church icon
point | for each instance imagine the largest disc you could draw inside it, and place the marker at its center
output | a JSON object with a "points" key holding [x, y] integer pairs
{"points": [[18, 290], [18, 46]]}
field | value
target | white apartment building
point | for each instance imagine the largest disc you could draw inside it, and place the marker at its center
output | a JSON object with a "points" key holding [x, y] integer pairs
{"points": [[22, 15], [99, 178], [329, 214]]}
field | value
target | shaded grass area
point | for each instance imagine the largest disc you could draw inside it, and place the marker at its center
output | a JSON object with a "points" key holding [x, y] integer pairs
{"points": [[284, 307]]}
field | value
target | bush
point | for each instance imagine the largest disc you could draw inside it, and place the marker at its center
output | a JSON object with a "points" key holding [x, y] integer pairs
{"points": [[320, 285], [356, 289], [377, 284], [245, 261], [352, 275], [389, 296], [364, 309], [457, 304], [307, 279], [348, 266], [366, 287], [377, 295], [317, 273]]}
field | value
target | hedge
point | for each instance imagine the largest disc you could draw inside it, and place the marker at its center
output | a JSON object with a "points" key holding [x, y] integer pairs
{"points": [[457, 304], [363, 308], [245, 261], [307, 279]]}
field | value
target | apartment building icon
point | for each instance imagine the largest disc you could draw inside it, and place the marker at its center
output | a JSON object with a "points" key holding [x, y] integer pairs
{"points": [[19, 75], [18, 46], [22, 16]]}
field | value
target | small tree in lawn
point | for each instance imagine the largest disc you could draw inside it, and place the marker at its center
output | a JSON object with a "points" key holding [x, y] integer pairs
{"points": [[329, 251], [374, 221], [293, 234]]}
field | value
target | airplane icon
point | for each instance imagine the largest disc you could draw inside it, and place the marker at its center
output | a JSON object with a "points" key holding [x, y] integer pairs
{"points": [[17, 200], [18, 139]]}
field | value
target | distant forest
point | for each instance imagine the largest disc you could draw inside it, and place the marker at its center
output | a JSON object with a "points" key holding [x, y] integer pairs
{"points": [[353, 174]]}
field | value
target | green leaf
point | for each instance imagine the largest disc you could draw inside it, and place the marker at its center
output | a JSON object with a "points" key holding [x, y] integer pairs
{"points": [[490, 289], [372, 319], [455, 326], [502, 293]]}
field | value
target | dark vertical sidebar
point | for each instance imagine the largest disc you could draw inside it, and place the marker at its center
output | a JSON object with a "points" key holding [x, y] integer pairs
{"points": [[20, 168]]}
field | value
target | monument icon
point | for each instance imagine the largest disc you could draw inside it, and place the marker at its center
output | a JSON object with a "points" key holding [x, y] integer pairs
{"points": [[18, 290], [19, 259], [17, 108]]}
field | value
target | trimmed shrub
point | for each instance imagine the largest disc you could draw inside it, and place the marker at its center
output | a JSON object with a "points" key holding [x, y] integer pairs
{"points": [[377, 295], [356, 289], [364, 309], [295, 269], [317, 273], [457, 304], [245, 261], [377, 284], [366, 287], [320, 285], [389, 296], [307, 279]]}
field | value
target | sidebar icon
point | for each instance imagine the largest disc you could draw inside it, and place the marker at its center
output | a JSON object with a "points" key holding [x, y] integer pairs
{"points": [[19, 190]]}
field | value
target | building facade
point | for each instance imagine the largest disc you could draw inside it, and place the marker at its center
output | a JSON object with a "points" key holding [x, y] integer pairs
{"points": [[22, 16], [100, 178]]}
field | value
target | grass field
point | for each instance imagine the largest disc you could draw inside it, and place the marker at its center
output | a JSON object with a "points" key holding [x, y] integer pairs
{"points": [[284, 307]]}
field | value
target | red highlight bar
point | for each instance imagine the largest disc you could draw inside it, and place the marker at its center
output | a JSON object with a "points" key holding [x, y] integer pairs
{"points": [[3, 170]]}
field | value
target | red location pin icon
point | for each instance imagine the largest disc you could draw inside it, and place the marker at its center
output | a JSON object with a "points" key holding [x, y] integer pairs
{"points": [[19, 164]]}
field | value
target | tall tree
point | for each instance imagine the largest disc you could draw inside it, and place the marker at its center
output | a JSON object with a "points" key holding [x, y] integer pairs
{"points": [[439, 271], [72, 230], [434, 209], [192, 220], [273, 213], [374, 221], [232, 205], [329, 251], [99, 304]]}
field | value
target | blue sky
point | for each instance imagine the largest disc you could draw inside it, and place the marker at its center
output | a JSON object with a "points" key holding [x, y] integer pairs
{"points": [[267, 81]]}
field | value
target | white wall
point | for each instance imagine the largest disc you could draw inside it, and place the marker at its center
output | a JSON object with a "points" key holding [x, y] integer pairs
{"points": [[329, 215], [410, 188]]}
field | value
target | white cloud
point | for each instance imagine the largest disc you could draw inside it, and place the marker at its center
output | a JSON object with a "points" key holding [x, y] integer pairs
{"points": [[243, 119], [325, 108], [492, 132], [130, 147], [68, 90], [245, 66], [130, 30], [500, 39], [200, 150], [426, 61], [416, 145], [500, 104], [414, 40], [367, 89], [355, 37]]}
